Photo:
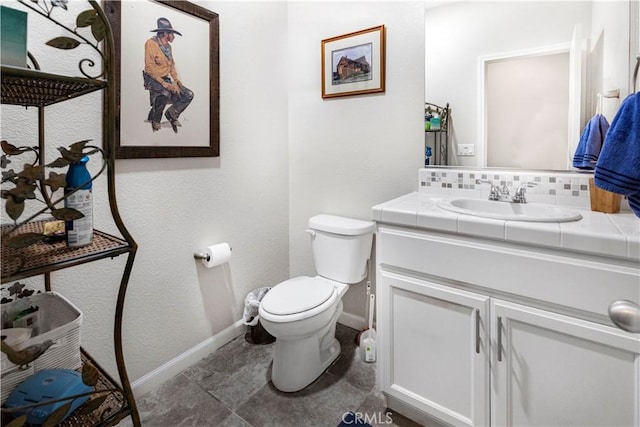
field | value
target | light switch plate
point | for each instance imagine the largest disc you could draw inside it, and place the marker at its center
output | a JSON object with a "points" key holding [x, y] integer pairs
{"points": [[466, 150]]}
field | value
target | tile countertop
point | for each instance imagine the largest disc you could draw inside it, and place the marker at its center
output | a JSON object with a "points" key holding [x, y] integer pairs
{"points": [[610, 235]]}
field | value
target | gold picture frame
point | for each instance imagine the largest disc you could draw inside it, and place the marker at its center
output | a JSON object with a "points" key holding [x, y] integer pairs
{"points": [[354, 63]]}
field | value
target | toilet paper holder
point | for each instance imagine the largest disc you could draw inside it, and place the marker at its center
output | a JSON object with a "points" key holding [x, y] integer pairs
{"points": [[201, 255], [204, 256]]}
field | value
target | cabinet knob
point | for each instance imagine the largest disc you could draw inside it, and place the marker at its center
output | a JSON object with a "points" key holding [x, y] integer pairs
{"points": [[626, 315]]}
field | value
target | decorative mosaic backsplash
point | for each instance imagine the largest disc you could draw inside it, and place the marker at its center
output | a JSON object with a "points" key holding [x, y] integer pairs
{"points": [[571, 189]]}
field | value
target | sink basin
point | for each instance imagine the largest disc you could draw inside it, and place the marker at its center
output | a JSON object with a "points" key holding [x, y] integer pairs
{"points": [[534, 212]]}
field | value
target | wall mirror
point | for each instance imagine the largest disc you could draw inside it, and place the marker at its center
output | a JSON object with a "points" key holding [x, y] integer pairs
{"points": [[522, 78]]}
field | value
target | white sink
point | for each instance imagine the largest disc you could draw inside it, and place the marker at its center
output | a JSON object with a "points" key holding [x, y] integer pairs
{"points": [[534, 212]]}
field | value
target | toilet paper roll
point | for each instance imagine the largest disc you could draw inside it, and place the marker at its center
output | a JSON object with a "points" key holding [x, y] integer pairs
{"points": [[217, 254]]}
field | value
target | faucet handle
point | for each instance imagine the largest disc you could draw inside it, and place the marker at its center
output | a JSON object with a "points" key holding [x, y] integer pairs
{"points": [[494, 193], [519, 196]]}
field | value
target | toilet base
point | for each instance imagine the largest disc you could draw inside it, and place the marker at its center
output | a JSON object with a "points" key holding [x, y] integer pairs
{"points": [[296, 364]]}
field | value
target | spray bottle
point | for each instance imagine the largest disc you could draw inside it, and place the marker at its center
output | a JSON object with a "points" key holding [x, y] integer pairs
{"points": [[79, 231]]}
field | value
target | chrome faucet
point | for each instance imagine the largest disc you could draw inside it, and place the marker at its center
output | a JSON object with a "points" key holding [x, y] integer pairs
{"points": [[519, 196], [498, 194]]}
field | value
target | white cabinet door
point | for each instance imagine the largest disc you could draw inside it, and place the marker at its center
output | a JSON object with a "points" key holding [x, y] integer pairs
{"points": [[435, 348], [554, 370]]}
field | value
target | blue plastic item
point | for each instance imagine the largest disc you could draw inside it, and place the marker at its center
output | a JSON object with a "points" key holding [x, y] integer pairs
{"points": [[78, 179], [46, 385]]}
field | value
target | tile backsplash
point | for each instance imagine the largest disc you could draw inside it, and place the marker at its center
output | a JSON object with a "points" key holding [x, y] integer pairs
{"points": [[568, 189]]}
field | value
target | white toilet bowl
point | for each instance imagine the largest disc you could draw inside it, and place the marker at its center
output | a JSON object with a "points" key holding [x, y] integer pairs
{"points": [[302, 313]]}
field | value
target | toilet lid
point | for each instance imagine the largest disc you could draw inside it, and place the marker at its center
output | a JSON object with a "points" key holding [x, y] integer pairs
{"points": [[296, 295]]}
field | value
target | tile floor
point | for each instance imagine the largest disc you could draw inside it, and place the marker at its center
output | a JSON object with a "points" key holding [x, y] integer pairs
{"points": [[231, 387]]}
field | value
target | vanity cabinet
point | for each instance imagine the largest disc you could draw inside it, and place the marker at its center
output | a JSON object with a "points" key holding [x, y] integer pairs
{"points": [[476, 332], [435, 351], [550, 369]]}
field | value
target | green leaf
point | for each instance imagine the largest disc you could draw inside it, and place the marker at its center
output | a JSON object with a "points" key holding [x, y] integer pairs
{"points": [[66, 214], [9, 149], [23, 190], [13, 208], [86, 18], [32, 173], [90, 374], [18, 422], [98, 29], [23, 240], [63, 43], [58, 415], [60, 162], [92, 405], [9, 175], [55, 181]]}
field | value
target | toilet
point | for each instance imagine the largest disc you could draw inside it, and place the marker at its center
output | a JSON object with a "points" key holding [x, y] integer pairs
{"points": [[302, 312]]}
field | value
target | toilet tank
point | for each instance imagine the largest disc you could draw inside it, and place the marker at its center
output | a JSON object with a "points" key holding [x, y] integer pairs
{"points": [[341, 247]]}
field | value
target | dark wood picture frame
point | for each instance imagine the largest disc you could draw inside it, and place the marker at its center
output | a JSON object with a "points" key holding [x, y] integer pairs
{"points": [[113, 10], [354, 63]]}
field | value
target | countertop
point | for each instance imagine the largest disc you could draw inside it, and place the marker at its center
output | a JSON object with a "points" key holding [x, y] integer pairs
{"points": [[611, 235]]}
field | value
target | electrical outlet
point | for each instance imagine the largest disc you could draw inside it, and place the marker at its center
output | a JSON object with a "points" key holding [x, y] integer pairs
{"points": [[465, 150]]}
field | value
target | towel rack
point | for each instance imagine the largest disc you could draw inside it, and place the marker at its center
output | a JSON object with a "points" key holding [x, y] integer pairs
{"points": [[612, 93]]}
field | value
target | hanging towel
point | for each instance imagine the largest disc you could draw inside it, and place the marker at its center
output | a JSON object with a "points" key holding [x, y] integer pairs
{"points": [[618, 168], [590, 143]]}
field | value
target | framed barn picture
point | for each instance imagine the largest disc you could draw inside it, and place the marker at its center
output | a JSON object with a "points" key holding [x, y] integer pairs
{"points": [[354, 63], [167, 79]]}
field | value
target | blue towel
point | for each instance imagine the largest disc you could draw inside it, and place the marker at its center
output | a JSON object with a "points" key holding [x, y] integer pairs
{"points": [[590, 143], [618, 168]]}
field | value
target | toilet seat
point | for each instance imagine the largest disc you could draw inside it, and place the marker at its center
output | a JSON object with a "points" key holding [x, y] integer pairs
{"points": [[297, 299]]}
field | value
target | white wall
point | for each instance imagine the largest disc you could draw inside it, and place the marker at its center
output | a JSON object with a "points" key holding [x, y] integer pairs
{"points": [[346, 154], [285, 155], [175, 206], [610, 48]]}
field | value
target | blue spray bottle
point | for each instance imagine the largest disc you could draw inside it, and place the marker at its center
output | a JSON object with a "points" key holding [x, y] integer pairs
{"points": [[427, 155], [79, 231]]}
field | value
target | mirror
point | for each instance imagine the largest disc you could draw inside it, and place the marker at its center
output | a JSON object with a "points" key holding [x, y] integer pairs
{"points": [[481, 59]]}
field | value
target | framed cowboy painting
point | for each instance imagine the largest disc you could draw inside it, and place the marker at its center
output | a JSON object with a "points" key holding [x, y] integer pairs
{"points": [[167, 79]]}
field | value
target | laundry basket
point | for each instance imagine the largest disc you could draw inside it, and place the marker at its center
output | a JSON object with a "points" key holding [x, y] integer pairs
{"points": [[59, 321]]}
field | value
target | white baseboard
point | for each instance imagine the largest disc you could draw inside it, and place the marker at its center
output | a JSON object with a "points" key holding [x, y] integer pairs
{"points": [[352, 321], [181, 362]]}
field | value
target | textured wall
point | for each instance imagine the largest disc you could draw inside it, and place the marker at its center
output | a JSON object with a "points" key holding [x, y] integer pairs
{"points": [[175, 206], [285, 155], [350, 153]]}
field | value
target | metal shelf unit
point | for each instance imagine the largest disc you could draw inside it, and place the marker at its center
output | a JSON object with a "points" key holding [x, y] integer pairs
{"points": [[438, 139], [34, 88]]}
